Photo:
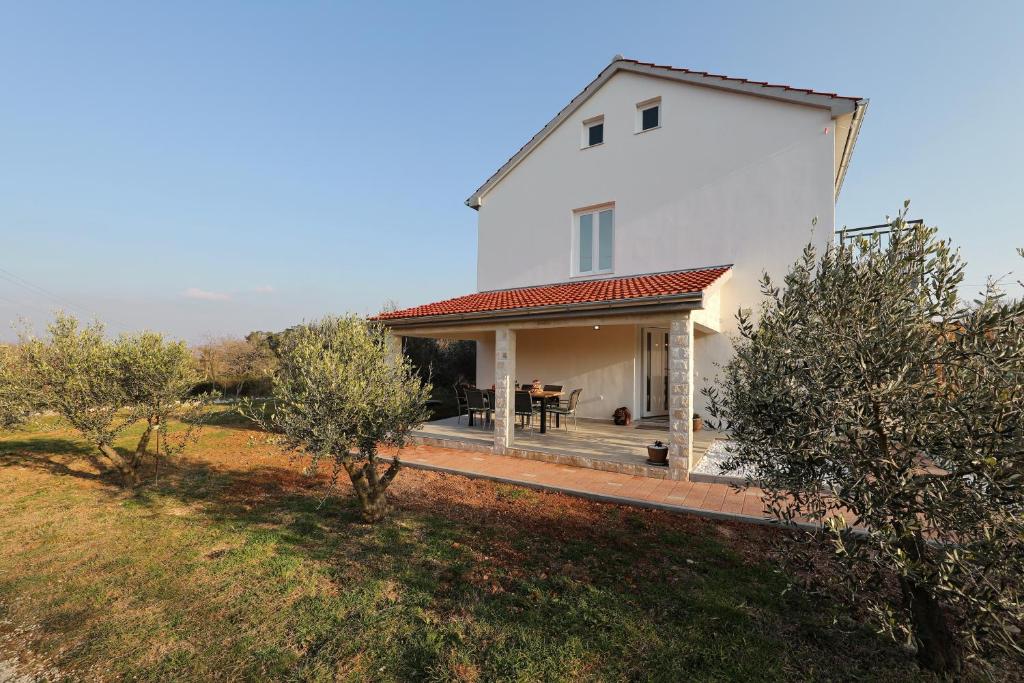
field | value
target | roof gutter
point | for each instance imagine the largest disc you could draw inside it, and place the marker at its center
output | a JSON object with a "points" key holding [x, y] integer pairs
{"points": [[667, 302], [851, 140]]}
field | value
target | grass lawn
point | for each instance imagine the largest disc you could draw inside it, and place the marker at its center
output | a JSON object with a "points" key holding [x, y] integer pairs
{"points": [[230, 567]]}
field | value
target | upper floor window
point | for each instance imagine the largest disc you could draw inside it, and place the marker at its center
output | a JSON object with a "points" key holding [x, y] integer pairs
{"points": [[594, 241], [648, 115], [593, 131]]}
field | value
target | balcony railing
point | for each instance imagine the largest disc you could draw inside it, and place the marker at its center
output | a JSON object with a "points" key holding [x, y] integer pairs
{"points": [[882, 231]]}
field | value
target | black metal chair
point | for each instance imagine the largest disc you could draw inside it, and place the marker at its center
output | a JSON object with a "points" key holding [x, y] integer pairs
{"points": [[553, 400], [524, 407], [567, 408], [476, 402], [461, 404]]}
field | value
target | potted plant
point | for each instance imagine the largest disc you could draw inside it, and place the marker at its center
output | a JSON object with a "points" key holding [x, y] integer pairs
{"points": [[698, 423], [657, 454]]}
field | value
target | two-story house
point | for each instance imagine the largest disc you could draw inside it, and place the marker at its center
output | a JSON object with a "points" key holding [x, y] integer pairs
{"points": [[617, 244]]}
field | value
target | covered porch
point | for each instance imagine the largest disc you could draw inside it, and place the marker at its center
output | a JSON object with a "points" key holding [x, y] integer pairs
{"points": [[621, 350], [592, 444]]}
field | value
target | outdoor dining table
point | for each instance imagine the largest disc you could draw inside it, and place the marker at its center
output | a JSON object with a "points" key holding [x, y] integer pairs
{"points": [[544, 396]]}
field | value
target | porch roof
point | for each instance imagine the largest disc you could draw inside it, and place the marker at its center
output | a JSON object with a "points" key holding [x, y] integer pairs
{"points": [[678, 286]]}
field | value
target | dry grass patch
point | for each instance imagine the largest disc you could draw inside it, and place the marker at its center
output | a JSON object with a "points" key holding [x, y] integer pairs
{"points": [[234, 567]]}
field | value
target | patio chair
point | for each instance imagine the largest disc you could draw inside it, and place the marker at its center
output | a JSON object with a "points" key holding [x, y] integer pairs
{"points": [[462, 406], [476, 402], [566, 408], [524, 407], [552, 401]]}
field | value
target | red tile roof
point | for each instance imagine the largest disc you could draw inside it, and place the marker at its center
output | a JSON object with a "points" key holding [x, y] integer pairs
{"points": [[588, 291]]}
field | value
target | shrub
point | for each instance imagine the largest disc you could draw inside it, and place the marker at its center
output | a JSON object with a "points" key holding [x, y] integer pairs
{"points": [[338, 395], [101, 388], [869, 389]]}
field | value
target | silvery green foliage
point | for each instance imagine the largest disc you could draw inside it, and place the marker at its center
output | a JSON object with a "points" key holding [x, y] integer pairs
{"points": [[17, 402], [339, 394], [868, 395], [102, 387], [156, 377]]}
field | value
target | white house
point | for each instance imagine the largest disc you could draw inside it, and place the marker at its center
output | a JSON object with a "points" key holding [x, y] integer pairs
{"points": [[616, 245]]}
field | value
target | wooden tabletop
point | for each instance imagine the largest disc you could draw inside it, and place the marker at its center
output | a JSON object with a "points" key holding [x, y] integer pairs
{"points": [[541, 393]]}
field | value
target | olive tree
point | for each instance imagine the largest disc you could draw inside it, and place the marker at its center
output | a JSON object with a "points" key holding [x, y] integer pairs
{"points": [[338, 395], [102, 387], [16, 398], [156, 377], [869, 400]]}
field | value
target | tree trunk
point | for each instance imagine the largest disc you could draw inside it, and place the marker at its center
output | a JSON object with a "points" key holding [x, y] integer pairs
{"points": [[129, 475], [370, 488], [937, 649], [937, 646], [140, 449], [377, 507]]}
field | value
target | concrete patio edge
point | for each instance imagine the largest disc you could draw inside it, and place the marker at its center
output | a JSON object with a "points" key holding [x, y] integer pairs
{"points": [[600, 497]]}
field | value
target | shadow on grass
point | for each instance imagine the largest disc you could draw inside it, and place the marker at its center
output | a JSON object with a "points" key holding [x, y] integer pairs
{"points": [[228, 417], [52, 455], [521, 583]]}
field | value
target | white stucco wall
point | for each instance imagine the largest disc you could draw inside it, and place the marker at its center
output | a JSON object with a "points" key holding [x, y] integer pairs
{"points": [[601, 362], [605, 363], [727, 178]]}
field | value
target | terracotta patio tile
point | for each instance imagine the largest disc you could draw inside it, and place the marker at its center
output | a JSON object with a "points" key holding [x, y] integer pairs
{"points": [[733, 504], [696, 495], [678, 492], [752, 506], [659, 490], [708, 496], [716, 497]]}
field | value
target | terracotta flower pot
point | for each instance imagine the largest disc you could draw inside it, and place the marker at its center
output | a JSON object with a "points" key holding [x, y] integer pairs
{"points": [[698, 424], [657, 454]]}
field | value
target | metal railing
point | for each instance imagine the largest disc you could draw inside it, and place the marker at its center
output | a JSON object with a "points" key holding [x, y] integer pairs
{"points": [[882, 231]]}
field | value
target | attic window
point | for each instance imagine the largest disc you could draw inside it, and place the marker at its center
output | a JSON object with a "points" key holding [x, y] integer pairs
{"points": [[648, 115], [593, 132]]}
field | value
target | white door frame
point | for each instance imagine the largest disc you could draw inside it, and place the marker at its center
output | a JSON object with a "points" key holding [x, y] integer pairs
{"points": [[647, 378]]}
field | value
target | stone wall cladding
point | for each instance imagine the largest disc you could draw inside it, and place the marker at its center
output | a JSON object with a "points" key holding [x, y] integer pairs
{"points": [[680, 370], [635, 469], [504, 391]]}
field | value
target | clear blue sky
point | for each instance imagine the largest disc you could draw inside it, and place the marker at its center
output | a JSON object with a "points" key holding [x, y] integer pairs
{"points": [[216, 167]]}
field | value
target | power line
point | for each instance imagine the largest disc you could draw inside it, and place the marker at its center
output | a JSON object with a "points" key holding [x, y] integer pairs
{"points": [[36, 289]]}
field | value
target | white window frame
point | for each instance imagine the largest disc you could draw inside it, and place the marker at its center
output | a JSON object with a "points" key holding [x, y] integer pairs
{"points": [[595, 241], [587, 125], [641, 107]]}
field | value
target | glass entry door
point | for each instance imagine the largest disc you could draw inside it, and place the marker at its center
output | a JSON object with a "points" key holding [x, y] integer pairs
{"points": [[655, 355]]}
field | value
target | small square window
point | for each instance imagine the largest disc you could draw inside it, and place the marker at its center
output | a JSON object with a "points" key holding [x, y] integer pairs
{"points": [[593, 132], [650, 118], [648, 115]]}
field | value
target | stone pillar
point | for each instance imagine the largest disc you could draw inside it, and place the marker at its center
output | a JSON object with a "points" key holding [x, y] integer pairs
{"points": [[680, 396], [504, 388], [395, 346]]}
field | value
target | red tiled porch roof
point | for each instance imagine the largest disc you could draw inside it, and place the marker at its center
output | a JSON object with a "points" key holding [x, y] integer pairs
{"points": [[639, 287]]}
